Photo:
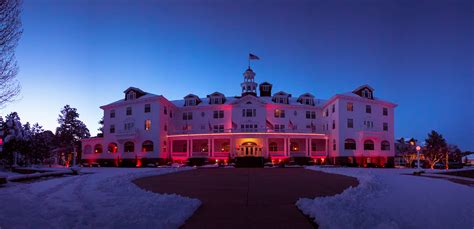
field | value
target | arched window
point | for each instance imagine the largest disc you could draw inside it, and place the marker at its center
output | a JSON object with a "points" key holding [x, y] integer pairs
{"points": [[385, 145], [350, 144], [98, 148], [369, 145], [294, 146], [112, 148], [225, 147], [87, 149], [273, 147], [147, 146], [129, 147]]}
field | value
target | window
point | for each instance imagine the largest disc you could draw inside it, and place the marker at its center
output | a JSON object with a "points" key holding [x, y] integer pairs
{"points": [[333, 108], [128, 126], [279, 113], [165, 110], [249, 127], [326, 113], [350, 144], [310, 114], [147, 124], [112, 129], [131, 95], [112, 148], [218, 128], [249, 112], [368, 145], [165, 128], [350, 107], [147, 146], [190, 102], [350, 123], [333, 124], [87, 149], [279, 128], [294, 146], [112, 114], [385, 111], [334, 144], [187, 115], [171, 114], [309, 101], [368, 109], [385, 126], [147, 108], [98, 148], [385, 145], [367, 94], [218, 114], [129, 111], [129, 147], [273, 146]]}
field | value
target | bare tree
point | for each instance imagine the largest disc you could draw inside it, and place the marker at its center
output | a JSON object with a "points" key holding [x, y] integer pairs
{"points": [[10, 32]]}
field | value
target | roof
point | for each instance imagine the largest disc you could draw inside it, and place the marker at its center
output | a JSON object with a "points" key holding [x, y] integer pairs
{"points": [[265, 99]]}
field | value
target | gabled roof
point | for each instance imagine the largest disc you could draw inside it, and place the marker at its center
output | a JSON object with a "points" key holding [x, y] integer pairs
{"points": [[248, 98], [282, 93], [306, 95], [363, 87], [134, 89], [191, 96], [216, 94]]}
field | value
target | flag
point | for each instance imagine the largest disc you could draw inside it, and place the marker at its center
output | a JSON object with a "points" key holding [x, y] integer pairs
{"points": [[269, 125], [253, 57], [290, 125], [234, 125]]}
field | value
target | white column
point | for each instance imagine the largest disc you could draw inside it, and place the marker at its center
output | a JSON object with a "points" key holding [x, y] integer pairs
{"points": [[285, 148], [308, 150], [190, 147], [210, 147]]}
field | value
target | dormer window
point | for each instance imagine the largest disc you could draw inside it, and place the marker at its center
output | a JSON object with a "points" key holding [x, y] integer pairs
{"points": [[131, 95], [216, 98], [191, 100], [281, 97], [364, 91], [306, 99]]}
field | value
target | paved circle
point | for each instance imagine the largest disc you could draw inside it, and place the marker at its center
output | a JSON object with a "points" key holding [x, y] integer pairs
{"points": [[248, 197]]}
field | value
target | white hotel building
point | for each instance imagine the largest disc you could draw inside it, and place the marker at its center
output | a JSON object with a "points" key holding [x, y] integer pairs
{"points": [[348, 128]]}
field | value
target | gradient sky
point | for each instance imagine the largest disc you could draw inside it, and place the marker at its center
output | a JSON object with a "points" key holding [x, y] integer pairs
{"points": [[417, 54]]}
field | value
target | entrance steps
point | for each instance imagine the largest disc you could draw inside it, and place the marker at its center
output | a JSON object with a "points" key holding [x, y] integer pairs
{"points": [[249, 162]]}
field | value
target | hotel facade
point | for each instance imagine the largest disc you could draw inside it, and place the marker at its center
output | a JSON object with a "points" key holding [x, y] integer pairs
{"points": [[348, 128]]}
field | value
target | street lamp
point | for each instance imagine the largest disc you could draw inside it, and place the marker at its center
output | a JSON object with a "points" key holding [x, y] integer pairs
{"points": [[418, 148]]}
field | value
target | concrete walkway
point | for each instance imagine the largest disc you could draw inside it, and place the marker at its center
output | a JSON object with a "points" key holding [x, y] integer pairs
{"points": [[248, 198]]}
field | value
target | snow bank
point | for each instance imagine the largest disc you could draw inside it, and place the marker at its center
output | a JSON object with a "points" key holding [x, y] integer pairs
{"points": [[104, 199], [385, 198]]}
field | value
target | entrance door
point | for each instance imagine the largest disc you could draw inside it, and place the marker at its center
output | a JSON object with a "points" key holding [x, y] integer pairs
{"points": [[249, 149]]}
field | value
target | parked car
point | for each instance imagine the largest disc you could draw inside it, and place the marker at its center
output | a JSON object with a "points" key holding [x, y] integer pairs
{"points": [[439, 165]]}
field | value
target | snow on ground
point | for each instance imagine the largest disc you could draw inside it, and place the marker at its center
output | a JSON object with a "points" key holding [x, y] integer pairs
{"points": [[104, 199], [385, 198]]}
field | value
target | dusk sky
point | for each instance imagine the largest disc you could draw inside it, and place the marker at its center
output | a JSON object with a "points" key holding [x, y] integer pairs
{"points": [[417, 54]]}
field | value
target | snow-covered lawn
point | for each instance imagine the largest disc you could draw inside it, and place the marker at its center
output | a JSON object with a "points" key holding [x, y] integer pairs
{"points": [[104, 199], [385, 198]]}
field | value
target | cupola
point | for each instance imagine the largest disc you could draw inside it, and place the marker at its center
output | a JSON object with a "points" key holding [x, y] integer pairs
{"points": [[265, 89], [249, 87]]}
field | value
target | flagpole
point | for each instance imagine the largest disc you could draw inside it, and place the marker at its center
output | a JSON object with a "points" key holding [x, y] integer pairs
{"points": [[249, 60]]}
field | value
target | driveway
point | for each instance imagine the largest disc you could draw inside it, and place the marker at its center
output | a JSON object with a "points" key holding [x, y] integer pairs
{"points": [[248, 197]]}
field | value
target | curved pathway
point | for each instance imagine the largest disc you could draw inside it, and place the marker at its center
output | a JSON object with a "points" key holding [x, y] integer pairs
{"points": [[248, 197]]}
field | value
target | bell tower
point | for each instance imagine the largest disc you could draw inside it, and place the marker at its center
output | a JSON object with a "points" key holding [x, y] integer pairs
{"points": [[249, 87]]}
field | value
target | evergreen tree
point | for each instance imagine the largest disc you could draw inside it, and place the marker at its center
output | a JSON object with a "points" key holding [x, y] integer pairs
{"points": [[71, 130]]}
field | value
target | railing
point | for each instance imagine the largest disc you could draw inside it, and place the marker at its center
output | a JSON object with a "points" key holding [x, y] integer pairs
{"points": [[298, 154], [276, 153], [239, 130], [199, 154], [179, 154], [127, 133], [318, 153], [221, 154]]}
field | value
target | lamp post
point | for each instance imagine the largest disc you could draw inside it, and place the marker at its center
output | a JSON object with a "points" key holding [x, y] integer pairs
{"points": [[418, 148]]}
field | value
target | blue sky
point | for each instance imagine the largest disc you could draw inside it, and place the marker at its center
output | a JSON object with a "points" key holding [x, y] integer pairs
{"points": [[417, 54]]}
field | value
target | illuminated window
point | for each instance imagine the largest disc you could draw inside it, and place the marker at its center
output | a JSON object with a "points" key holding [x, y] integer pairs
{"points": [[98, 148], [112, 148], [147, 124], [147, 146], [294, 146], [350, 107], [279, 113]]}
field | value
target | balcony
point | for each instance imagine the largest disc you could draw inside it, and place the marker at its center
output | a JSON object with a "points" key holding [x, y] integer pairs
{"points": [[127, 134], [199, 154], [298, 154], [239, 130], [179, 155], [276, 154], [221, 154]]}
